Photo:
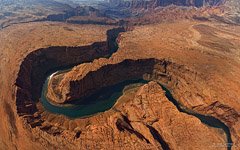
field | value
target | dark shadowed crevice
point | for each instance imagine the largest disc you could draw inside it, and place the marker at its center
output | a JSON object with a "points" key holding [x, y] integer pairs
{"points": [[158, 137], [124, 125], [78, 134]]}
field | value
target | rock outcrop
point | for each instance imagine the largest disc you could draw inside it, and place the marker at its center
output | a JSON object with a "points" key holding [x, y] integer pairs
{"points": [[164, 123], [39, 63], [84, 79], [156, 3], [190, 64]]}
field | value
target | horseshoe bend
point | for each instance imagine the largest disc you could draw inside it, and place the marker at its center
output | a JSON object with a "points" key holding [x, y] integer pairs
{"points": [[139, 75]]}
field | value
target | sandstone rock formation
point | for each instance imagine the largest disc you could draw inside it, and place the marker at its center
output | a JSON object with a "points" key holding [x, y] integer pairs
{"points": [[75, 36], [177, 77], [198, 61], [15, 11], [165, 123]]}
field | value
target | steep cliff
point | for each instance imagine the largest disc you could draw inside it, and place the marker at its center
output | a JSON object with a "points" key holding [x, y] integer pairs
{"points": [[197, 61], [198, 85]]}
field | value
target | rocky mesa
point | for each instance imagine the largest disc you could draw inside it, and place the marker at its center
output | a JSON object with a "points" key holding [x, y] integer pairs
{"points": [[170, 83]]}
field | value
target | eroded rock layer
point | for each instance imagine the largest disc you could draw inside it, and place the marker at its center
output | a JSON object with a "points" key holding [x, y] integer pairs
{"points": [[38, 64], [187, 63], [156, 3], [84, 79]]}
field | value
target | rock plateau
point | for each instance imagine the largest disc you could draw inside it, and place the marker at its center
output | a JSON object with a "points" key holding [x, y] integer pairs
{"points": [[189, 58]]}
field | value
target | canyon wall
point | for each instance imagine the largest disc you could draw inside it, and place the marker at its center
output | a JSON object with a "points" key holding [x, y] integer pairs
{"points": [[38, 64], [175, 76], [187, 85], [107, 75]]}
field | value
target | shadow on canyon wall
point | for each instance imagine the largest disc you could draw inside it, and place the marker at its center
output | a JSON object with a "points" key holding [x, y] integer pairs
{"points": [[159, 70], [38, 64]]}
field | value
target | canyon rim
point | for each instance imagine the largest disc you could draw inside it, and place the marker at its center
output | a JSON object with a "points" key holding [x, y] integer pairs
{"points": [[120, 74]]}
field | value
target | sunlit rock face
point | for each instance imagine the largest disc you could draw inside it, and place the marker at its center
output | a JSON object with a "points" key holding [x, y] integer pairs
{"points": [[156, 3]]}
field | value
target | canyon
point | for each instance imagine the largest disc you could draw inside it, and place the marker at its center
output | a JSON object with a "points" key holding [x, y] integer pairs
{"points": [[156, 3], [86, 80], [113, 12]]}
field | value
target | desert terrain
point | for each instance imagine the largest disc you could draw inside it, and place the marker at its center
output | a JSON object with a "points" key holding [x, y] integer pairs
{"points": [[169, 83]]}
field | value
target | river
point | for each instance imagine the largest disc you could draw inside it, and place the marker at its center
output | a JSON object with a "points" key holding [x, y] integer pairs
{"points": [[104, 99]]}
